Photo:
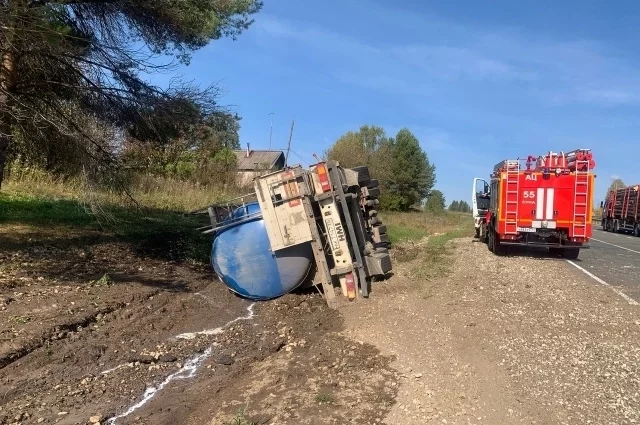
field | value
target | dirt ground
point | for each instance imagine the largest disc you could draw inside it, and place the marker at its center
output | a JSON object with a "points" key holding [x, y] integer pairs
{"points": [[94, 330], [524, 339]]}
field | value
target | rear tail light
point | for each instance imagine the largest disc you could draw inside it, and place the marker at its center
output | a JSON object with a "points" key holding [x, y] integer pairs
{"points": [[324, 178], [351, 286]]}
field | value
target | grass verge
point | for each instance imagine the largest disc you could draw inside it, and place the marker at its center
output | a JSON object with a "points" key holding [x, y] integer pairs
{"points": [[431, 257], [414, 226], [155, 232]]}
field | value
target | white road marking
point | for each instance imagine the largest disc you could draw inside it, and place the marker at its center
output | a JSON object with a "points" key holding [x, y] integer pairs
{"points": [[617, 246], [627, 298]]}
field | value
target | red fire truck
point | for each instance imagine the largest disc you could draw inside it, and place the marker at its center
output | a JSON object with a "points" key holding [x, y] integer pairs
{"points": [[621, 210], [543, 201]]}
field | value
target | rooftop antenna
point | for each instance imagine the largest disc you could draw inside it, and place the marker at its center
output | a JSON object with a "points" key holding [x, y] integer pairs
{"points": [[270, 129], [286, 159]]}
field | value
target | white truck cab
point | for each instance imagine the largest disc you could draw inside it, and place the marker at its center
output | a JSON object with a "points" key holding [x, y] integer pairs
{"points": [[480, 203]]}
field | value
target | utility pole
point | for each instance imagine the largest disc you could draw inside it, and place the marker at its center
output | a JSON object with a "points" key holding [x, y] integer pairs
{"points": [[270, 129], [286, 159]]}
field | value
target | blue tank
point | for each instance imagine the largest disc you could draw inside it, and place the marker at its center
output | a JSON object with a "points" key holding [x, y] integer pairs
{"points": [[243, 260]]}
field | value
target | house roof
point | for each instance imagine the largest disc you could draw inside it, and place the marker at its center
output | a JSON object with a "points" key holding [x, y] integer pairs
{"points": [[258, 159]]}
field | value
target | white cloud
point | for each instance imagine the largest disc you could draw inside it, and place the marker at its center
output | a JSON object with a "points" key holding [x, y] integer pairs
{"points": [[555, 72]]}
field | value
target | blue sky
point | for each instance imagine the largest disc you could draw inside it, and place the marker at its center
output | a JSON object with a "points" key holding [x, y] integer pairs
{"points": [[475, 83]]}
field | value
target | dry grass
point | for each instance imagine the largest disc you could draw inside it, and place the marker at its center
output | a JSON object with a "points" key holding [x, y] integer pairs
{"points": [[35, 199], [148, 191], [413, 226], [424, 242]]}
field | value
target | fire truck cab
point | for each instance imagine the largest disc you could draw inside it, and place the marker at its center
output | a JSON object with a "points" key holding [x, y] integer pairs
{"points": [[543, 201]]}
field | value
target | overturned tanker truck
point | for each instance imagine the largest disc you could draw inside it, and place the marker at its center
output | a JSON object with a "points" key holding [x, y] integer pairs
{"points": [[300, 228]]}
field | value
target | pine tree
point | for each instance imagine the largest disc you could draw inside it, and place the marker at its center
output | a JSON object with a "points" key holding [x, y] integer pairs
{"points": [[435, 201], [72, 72], [412, 176]]}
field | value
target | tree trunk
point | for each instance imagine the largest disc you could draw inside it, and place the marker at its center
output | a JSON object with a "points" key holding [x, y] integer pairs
{"points": [[4, 147], [7, 87]]}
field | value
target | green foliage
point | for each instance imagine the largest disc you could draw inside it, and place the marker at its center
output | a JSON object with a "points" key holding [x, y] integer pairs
{"points": [[400, 166], [368, 146], [73, 94], [240, 419], [460, 206], [435, 201], [203, 154], [169, 234], [412, 176], [324, 398]]}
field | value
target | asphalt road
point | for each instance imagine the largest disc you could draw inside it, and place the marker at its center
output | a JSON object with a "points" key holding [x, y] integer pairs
{"points": [[614, 258]]}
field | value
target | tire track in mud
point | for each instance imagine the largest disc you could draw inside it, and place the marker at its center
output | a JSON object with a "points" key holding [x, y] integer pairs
{"points": [[62, 330], [187, 371]]}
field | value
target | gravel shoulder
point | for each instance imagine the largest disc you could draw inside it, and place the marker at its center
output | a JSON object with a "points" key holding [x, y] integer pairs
{"points": [[504, 340]]}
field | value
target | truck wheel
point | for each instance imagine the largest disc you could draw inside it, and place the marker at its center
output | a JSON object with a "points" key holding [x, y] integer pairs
{"points": [[490, 240], [363, 174], [571, 253], [373, 192], [497, 248]]}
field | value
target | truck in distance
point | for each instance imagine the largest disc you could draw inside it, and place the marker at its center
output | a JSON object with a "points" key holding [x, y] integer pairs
{"points": [[621, 210]]}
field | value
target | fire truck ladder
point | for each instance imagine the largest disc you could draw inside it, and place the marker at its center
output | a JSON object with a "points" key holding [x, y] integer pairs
{"points": [[512, 191], [581, 194]]}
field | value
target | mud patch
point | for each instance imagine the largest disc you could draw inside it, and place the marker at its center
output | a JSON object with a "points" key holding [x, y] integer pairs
{"points": [[90, 328], [187, 371]]}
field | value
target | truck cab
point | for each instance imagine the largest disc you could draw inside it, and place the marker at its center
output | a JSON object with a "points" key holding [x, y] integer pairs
{"points": [[480, 200]]}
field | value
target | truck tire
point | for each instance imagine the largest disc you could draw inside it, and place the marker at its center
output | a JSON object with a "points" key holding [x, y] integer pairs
{"points": [[571, 253], [490, 240], [363, 174], [382, 228], [373, 192], [497, 247]]}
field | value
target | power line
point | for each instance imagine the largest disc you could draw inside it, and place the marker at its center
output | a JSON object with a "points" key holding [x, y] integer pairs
{"points": [[301, 158], [296, 154]]}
